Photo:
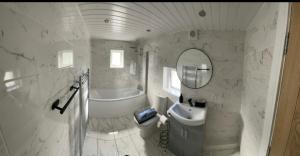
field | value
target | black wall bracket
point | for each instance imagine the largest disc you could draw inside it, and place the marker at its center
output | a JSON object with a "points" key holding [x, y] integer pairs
{"points": [[56, 102]]}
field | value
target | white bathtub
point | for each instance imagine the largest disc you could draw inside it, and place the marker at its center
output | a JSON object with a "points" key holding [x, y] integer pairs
{"points": [[106, 103]]}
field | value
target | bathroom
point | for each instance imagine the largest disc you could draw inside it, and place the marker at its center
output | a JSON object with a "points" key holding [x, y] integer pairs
{"points": [[76, 74]]}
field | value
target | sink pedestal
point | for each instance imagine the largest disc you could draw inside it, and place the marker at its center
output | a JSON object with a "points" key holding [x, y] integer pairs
{"points": [[185, 140]]}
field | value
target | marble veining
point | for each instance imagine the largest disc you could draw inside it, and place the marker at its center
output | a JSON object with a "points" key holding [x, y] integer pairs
{"points": [[31, 34], [16, 53], [258, 55], [3, 147], [104, 77]]}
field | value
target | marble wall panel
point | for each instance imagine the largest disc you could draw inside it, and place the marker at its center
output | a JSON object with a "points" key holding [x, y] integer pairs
{"points": [[31, 35], [104, 77], [258, 55]]}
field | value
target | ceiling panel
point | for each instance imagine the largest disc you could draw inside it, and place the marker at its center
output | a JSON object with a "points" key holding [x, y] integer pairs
{"points": [[130, 21]]}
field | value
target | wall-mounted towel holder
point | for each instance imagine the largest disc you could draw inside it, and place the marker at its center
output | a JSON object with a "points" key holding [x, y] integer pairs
{"points": [[82, 79], [56, 102]]}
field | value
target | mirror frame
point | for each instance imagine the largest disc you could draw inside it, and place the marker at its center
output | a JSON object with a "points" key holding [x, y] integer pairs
{"points": [[212, 70]]}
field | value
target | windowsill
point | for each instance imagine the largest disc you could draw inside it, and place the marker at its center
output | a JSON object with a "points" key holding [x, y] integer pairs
{"points": [[173, 92], [66, 67]]}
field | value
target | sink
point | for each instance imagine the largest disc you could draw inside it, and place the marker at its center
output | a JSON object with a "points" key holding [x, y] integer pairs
{"points": [[187, 115]]}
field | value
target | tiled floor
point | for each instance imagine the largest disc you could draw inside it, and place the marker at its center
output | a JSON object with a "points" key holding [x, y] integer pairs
{"points": [[120, 137]]}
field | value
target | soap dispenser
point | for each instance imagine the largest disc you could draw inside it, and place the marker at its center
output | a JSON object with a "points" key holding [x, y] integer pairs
{"points": [[181, 98]]}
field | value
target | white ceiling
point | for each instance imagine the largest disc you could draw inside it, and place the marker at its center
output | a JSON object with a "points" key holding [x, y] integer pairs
{"points": [[129, 21]]}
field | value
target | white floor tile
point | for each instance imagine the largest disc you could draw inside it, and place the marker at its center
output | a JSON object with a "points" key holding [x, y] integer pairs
{"points": [[92, 134], [125, 139], [106, 136], [107, 148], [144, 148], [121, 133], [90, 146], [126, 147]]}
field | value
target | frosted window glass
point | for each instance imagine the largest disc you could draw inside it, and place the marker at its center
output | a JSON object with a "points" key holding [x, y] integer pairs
{"points": [[65, 58], [171, 82], [175, 82], [8, 76], [117, 59]]}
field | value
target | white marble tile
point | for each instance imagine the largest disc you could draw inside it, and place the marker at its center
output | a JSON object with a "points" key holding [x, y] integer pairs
{"points": [[3, 148], [127, 140], [92, 134], [258, 56], [144, 148], [90, 146], [103, 77], [126, 147], [134, 130], [28, 49], [107, 148], [106, 135], [121, 133]]}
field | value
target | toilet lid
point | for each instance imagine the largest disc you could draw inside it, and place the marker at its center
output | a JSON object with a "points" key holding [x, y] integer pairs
{"points": [[148, 123]]}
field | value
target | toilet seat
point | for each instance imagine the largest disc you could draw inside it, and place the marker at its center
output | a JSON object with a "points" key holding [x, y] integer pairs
{"points": [[147, 123], [149, 127]]}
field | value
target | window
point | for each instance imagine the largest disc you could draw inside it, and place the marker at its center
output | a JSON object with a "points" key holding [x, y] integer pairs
{"points": [[65, 58], [171, 82], [11, 81], [175, 82], [116, 58]]}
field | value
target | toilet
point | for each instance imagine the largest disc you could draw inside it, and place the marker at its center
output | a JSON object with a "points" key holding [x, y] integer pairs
{"points": [[147, 128]]}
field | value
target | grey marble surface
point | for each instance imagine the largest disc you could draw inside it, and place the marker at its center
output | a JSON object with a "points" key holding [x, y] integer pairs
{"points": [[31, 36], [104, 77], [259, 47]]}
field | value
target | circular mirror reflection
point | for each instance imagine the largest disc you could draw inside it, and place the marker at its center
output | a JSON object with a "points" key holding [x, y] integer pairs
{"points": [[194, 68]]}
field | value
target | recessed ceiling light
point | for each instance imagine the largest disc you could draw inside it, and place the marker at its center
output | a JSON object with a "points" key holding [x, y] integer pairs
{"points": [[202, 13], [148, 30], [106, 20]]}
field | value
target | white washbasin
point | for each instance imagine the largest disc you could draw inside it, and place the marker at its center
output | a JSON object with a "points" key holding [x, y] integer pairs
{"points": [[187, 115]]}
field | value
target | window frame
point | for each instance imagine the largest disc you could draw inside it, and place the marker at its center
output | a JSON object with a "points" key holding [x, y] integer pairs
{"points": [[11, 81], [167, 81], [121, 52], [60, 59]]}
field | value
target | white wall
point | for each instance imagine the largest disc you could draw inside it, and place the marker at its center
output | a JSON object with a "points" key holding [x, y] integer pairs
{"points": [[104, 77], [31, 35], [262, 59]]}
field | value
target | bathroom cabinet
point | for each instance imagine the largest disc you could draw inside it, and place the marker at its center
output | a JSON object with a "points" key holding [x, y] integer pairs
{"points": [[185, 140]]}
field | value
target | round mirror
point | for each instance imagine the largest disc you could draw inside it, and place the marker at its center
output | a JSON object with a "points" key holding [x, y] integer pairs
{"points": [[194, 68]]}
